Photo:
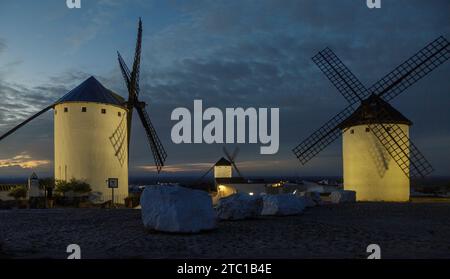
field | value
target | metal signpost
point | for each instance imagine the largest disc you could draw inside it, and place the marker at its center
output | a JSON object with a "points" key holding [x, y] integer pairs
{"points": [[113, 183]]}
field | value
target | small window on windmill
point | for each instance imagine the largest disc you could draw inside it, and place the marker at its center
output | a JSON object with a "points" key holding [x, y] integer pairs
{"points": [[119, 114], [83, 109], [103, 111], [66, 109], [367, 129], [352, 131]]}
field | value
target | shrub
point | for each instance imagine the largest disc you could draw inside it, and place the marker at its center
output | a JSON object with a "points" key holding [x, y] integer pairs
{"points": [[62, 187], [77, 186], [80, 187], [47, 183], [18, 192]]}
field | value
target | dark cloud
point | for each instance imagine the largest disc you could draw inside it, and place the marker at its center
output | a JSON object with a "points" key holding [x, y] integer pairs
{"points": [[19, 102], [258, 53], [35, 139]]}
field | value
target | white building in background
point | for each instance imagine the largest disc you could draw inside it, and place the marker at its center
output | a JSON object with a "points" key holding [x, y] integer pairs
{"points": [[34, 190], [223, 169], [227, 185]]}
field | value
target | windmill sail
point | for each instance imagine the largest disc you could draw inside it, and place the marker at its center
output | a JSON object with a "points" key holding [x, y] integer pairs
{"points": [[322, 137], [399, 146], [340, 76], [132, 83], [413, 69], [137, 60], [232, 160], [159, 153], [10, 132], [125, 71], [206, 173]]}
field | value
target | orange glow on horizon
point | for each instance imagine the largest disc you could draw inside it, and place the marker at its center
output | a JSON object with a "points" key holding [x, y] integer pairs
{"points": [[200, 167], [23, 161]]}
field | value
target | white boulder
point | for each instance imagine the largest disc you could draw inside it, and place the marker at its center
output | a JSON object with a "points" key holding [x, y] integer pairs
{"points": [[282, 205], [176, 209], [307, 201], [311, 198], [343, 196], [239, 206], [315, 196]]}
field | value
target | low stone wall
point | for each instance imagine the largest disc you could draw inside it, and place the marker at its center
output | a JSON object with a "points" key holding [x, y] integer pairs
{"points": [[4, 192]]}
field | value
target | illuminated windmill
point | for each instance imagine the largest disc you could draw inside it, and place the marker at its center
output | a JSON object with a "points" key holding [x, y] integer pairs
{"points": [[224, 167], [223, 175], [379, 158], [92, 127]]}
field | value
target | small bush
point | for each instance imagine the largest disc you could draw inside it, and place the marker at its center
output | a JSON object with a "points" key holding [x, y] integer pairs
{"points": [[62, 187], [47, 183], [18, 192], [80, 187], [77, 186]]}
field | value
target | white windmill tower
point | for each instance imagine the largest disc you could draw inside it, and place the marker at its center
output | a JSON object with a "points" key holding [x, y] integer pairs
{"points": [[92, 128], [91, 138], [223, 169], [379, 158], [223, 174], [368, 167]]}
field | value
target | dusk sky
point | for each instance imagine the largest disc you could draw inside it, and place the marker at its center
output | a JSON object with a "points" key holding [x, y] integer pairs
{"points": [[226, 53]]}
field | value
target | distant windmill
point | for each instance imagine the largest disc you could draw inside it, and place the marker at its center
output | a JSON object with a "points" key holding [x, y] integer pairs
{"points": [[224, 167], [92, 126], [374, 133]]}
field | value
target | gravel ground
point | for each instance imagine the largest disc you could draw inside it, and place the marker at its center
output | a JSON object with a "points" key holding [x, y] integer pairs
{"points": [[403, 230]]}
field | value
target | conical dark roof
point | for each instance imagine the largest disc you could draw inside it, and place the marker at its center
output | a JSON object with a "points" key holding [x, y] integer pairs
{"points": [[33, 176], [91, 90], [222, 162], [373, 110]]}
